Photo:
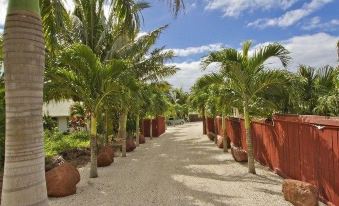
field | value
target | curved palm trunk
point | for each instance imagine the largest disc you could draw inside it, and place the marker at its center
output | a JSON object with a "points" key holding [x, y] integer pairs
{"points": [[251, 166], [224, 131], [137, 130], [24, 59], [94, 169], [122, 131]]}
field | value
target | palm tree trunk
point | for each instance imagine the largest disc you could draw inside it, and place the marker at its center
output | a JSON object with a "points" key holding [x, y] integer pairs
{"points": [[137, 130], [151, 129], [206, 120], [106, 128], [24, 59], [93, 171], [251, 166], [215, 131], [224, 131], [122, 131]]}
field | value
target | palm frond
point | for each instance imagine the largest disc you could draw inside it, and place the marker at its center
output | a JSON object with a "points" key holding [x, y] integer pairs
{"points": [[264, 53]]}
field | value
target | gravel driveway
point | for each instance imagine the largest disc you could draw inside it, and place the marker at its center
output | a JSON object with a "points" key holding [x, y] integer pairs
{"points": [[182, 167]]}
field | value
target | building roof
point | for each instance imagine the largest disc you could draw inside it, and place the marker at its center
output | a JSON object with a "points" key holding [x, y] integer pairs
{"points": [[58, 109]]}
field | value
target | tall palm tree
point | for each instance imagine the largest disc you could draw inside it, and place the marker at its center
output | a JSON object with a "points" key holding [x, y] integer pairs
{"points": [[248, 78], [24, 174]]}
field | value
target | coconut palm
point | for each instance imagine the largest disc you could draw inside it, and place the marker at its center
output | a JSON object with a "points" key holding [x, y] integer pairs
{"points": [[24, 63], [248, 78], [56, 23], [100, 31], [85, 79]]}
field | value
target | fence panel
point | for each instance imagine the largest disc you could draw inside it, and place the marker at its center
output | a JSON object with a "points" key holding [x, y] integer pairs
{"points": [[299, 147], [210, 124]]}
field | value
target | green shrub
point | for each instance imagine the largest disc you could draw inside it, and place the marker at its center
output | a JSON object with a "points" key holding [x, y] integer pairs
{"points": [[56, 142]]}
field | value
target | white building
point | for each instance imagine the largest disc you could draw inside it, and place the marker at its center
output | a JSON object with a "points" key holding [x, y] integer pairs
{"points": [[60, 111]]}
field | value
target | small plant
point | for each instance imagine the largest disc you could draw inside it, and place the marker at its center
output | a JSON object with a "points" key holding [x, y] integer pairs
{"points": [[49, 123], [56, 142]]}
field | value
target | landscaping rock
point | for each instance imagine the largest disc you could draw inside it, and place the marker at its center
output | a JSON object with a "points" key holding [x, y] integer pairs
{"points": [[61, 181], [105, 156], [130, 144], [142, 139], [300, 193], [220, 142], [211, 136], [239, 154]]}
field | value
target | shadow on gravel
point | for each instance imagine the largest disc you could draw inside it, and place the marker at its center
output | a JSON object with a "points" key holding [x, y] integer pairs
{"points": [[205, 170]]}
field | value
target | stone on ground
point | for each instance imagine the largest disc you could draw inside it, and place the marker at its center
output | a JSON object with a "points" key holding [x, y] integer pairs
{"points": [[142, 139], [300, 193], [130, 144], [105, 156], [61, 181], [239, 154]]}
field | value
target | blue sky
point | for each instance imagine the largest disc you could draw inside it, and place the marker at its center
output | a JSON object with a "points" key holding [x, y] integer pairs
{"points": [[308, 28]]}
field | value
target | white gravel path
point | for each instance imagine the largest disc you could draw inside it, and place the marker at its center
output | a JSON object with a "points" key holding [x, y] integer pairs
{"points": [[182, 167]]}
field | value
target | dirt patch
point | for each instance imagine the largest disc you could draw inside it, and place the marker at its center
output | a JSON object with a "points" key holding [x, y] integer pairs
{"points": [[78, 157]]}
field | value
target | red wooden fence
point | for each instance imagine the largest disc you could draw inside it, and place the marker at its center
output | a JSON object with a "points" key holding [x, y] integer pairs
{"points": [[158, 127], [210, 124], [305, 148]]}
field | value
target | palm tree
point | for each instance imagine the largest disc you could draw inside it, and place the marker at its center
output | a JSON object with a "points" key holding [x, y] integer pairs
{"points": [[248, 78], [24, 93], [85, 79], [145, 65], [24, 63], [102, 32], [198, 99], [327, 91], [56, 23]]}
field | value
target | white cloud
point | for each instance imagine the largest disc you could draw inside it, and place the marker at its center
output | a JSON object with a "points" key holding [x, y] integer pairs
{"points": [[3, 11], [188, 74], [290, 17], [315, 50], [316, 23], [197, 50], [234, 8]]}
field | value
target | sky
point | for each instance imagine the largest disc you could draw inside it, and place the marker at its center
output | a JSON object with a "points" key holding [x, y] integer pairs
{"points": [[309, 29]]}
